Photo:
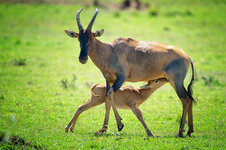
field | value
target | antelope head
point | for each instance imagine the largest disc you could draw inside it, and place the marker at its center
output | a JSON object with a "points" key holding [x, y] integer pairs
{"points": [[85, 37]]}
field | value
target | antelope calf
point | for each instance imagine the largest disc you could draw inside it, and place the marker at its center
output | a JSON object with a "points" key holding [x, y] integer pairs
{"points": [[126, 97]]}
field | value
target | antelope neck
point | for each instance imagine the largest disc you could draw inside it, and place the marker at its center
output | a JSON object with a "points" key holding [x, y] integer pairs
{"points": [[99, 53]]}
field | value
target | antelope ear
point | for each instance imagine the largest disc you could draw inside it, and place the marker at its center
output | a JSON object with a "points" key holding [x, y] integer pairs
{"points": [[72, 34], [98, 33]]}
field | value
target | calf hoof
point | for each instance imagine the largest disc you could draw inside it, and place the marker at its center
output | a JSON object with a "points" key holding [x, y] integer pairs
{"points": [[66, 129], [101, 131], [71, 130], [120, 127]]}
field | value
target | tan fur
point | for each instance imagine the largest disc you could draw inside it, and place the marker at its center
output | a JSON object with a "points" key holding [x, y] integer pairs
{"points": [[126, 97]]}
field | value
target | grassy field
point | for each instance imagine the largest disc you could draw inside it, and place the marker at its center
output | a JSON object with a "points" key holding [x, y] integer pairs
{"points": [[42, 82]]}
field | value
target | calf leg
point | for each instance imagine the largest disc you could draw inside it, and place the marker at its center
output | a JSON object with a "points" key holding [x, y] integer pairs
{"points": [[106, 119], [89, 104], [139, 115]]}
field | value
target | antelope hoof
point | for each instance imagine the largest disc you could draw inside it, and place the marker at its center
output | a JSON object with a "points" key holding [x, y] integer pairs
{"points": [[189, 133], [181, 134], [120, 127]]}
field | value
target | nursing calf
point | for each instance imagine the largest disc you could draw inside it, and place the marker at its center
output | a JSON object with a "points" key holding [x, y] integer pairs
{"points": [[126, 97]]}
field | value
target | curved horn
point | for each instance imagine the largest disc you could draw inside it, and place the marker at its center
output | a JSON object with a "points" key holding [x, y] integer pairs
{"points": [[78, 20], [89, 27]]}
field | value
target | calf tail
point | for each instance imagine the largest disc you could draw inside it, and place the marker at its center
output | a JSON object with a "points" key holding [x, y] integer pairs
{"points": [[91, 90]]}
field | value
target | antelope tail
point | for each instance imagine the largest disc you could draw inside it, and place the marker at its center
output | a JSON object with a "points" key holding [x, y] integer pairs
{"points": [[191, 82]]}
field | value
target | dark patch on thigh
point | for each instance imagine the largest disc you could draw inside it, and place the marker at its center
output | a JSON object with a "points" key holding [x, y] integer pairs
{"points": [[176, 69]]}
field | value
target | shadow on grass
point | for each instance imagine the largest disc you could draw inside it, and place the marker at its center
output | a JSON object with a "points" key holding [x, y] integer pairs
{"points": [[8, 141], [121, 135]]}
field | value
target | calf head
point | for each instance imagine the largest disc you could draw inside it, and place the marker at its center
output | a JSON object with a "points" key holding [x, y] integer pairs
{"points": [[155, 83]]}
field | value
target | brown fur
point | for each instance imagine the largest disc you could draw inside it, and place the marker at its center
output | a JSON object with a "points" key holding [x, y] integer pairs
{"points": [[126, 97], [141, 61]]}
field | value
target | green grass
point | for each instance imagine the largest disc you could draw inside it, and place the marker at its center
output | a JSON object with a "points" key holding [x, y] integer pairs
{"points": [[36, 56]]}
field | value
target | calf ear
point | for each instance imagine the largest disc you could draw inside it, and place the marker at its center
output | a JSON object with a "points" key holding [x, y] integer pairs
{"points": [[98, 33], [72, 34]]}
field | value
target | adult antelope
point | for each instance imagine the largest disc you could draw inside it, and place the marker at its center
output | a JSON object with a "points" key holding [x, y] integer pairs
{"points": [[126, 59]]}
